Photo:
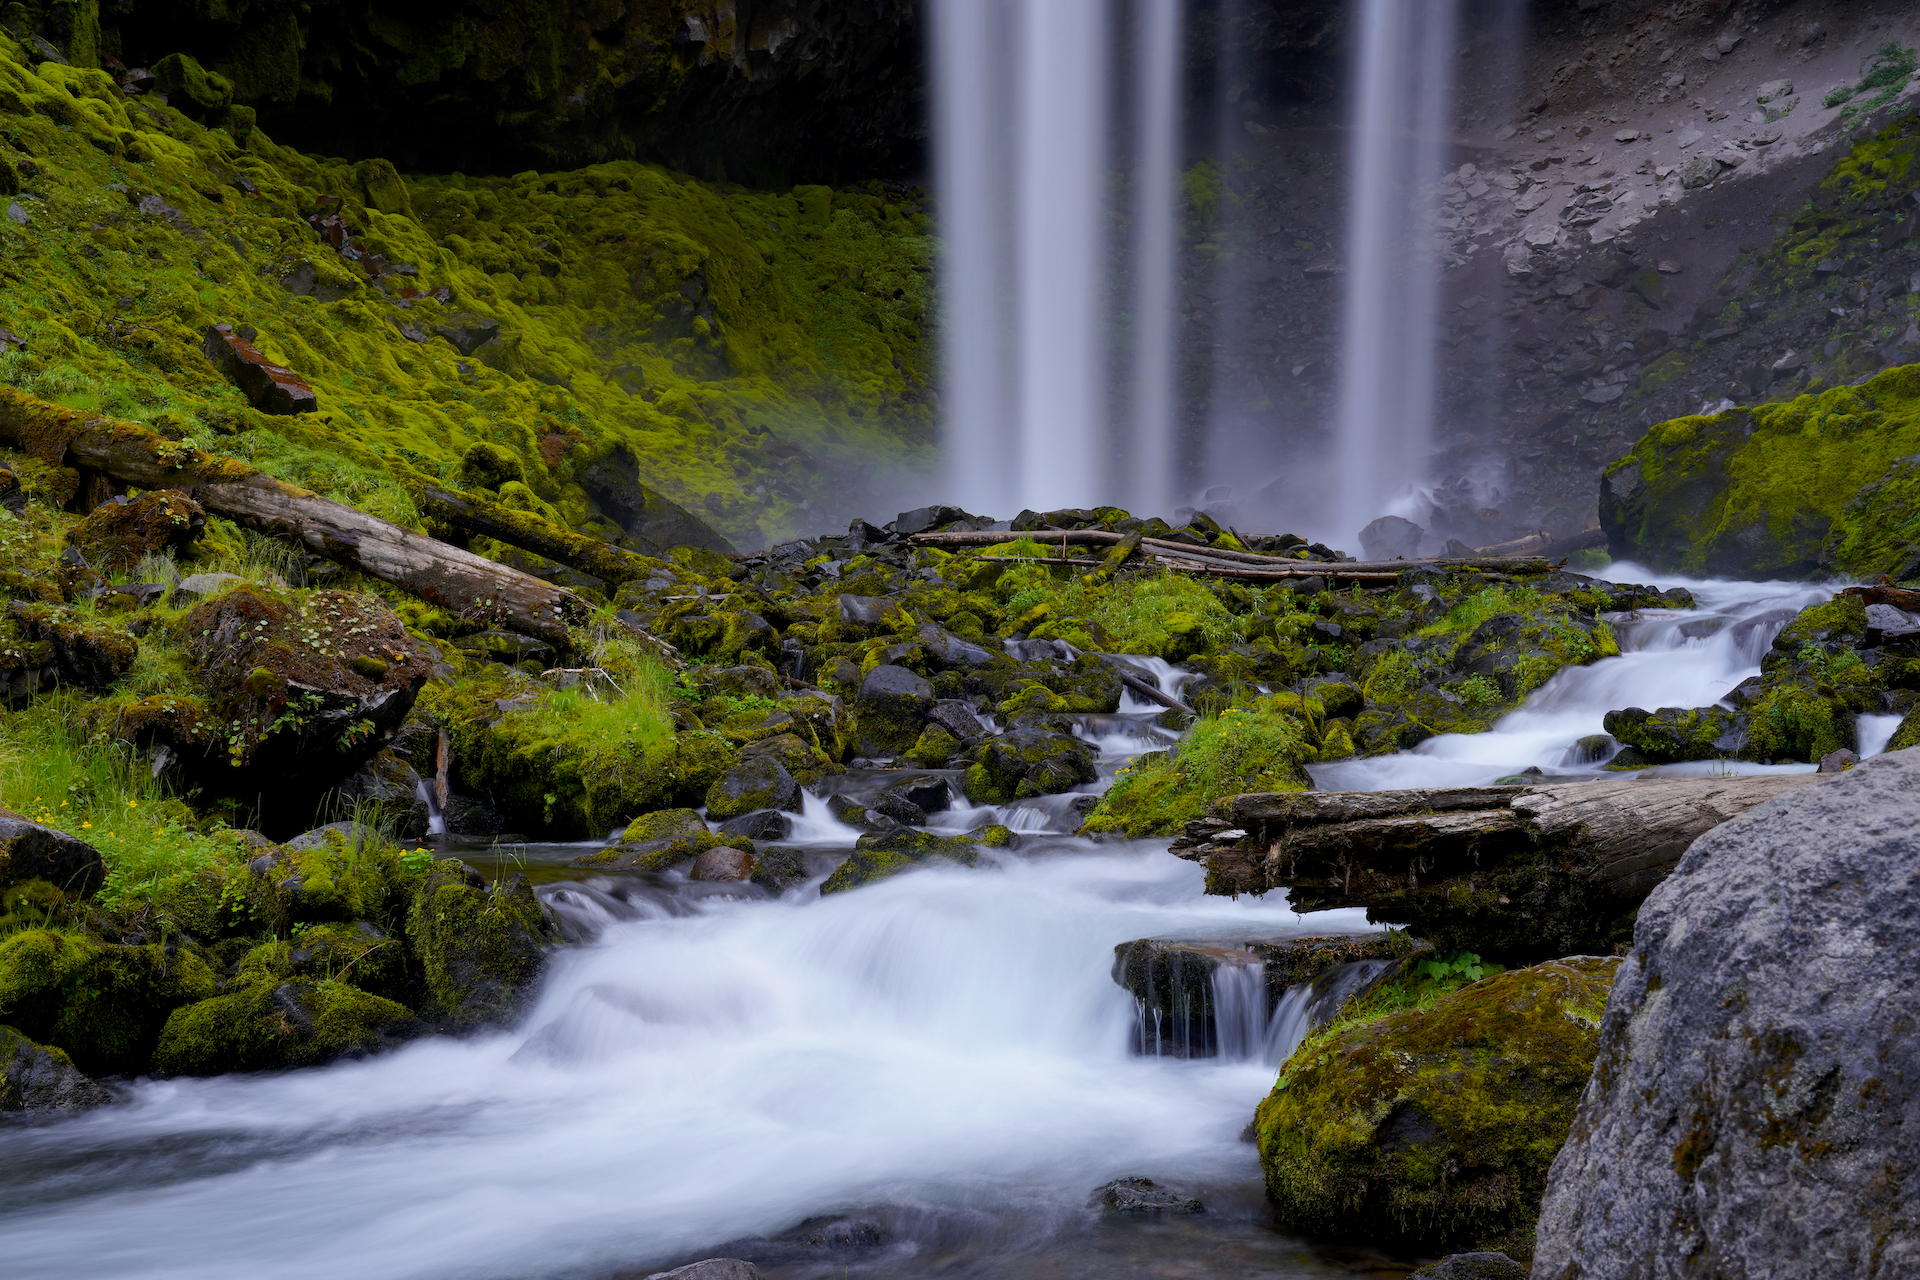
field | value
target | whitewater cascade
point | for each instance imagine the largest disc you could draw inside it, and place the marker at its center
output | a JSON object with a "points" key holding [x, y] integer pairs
{"points": [[1023, 148], [1389, 330]]}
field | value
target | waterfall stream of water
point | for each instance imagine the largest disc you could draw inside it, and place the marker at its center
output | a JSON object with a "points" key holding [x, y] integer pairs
{"points": [[1390, 318]]}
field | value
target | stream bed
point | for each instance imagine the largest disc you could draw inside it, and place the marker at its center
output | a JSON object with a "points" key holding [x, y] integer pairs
{"points": [[929, 1076]]}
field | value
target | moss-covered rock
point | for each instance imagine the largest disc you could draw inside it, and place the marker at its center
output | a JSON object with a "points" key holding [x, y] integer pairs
{"points": [[880, 854], [36, 1078], [266, 1025], [34, 851], [891, 710], [1676, 733], [1030, 759], [481, 947], [1776, 490], [664, 824], [1239, 750], [755, 783], [103, 1004], [1434, 1127], [115, 535]]}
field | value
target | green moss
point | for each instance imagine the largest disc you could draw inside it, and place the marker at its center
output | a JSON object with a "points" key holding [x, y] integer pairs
{"points": [[479, 948], [1235, 752], [601, 281], [1779, 489], [103, 1004], [879, 855], [268, 1025], [1791, 722], [1434, 1127]]}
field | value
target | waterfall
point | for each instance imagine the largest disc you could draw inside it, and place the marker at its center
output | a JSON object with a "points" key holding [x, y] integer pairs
{"points": [[1022, 155], [1401, 108], [1158, 26]]}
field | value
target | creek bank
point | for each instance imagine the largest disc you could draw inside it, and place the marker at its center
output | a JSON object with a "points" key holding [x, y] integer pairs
{"points": [[1751, 1104]]}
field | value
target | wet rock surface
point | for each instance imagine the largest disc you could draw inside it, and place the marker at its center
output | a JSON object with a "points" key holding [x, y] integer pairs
{"points": [[1138, 1197], [35, 1078], [1755, 1064], [30, 851]]}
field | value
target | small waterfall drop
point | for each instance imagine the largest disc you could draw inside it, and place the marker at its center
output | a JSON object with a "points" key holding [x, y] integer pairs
{"points": [[1390, 312]]}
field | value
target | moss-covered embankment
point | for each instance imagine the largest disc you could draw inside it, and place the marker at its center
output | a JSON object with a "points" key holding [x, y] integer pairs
{"points": [[620, 329], [1807, 467]]}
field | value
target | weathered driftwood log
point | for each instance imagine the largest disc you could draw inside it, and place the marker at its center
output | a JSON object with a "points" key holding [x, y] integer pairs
{"points": [[611, 564], [1237, 559], [437, 573], [1520, 872]]}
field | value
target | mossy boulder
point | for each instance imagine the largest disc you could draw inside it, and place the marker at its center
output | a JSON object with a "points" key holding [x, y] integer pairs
{"points": [[758, 782], [115, 535], [1676, 733], [665, 824], [369, 956], [1787, 489], [1434, 1128], [891, 710], [481, 947], [102, 1003], [44, 644], [1158, 793], [1029, 760], [343, 872], [36, 1077], [197, 91], [880, 854], [660, 853], [268, 1025]]}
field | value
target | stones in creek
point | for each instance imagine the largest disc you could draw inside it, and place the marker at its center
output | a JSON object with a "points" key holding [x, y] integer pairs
{"points": [[762, 824], [722, 863], [34, 1078], [267, 1025], [271, 388], [1679, 733], [30, 851], [1434, 1128], [1751, 1111], [757, 782], [891, 710], [481, 947], [880, 854], [1172, 982], [1472, 1266], [1035, 758], [1144, 1198], [102, 1003]]}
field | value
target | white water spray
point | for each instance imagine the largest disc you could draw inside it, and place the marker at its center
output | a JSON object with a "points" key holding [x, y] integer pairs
{"points": [[1158, 29], [1401, 109]]}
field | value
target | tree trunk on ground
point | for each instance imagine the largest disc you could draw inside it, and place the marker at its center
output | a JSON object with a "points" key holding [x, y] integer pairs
{"points": [[1525, 873], [441, 575], [1237, 559], [522, 529]]}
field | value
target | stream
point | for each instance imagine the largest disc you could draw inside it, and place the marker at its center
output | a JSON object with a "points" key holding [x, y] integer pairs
{"points": [[928, 1076]]}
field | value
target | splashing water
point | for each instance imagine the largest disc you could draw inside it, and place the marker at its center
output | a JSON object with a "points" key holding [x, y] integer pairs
{"points": [[1669, 658]]}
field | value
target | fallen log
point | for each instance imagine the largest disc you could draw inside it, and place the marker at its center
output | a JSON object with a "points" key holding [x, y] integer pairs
{"points": [[1519, 872], [612, 565], [441, 575], [1238, 559]]}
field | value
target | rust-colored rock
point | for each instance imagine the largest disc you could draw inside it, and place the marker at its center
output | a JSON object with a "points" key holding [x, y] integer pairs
{"points": [[271, 387]]}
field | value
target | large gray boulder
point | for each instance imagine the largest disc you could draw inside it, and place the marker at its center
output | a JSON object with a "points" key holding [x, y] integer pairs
{"points": [[1755, 1106]]}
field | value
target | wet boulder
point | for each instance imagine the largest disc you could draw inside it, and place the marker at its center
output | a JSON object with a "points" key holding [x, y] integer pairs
{"points": [[660, 854], [387, 789], [104, 1004], [723, 863], [754, 783], [30, 851], [713, 1269], [777, 868], [653, 524], [118, 532], [482, 947], [878, 855], [1029, 761], [1751, 1108], [949, 652], [663, 824], [268, 1026], [798, 757], [1676, 733], [1145, 1198], [36, 1078], [342, 872], [762, 824], [1434, 1128], [891, 710]]}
